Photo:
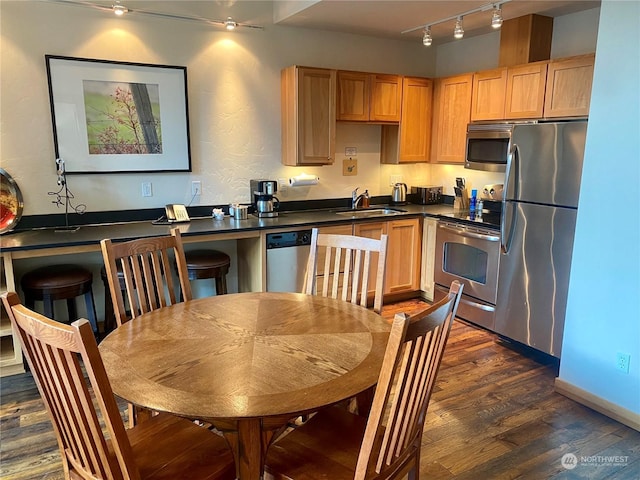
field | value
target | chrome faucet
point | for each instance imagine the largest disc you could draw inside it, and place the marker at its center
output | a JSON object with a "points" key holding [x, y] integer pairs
{"points": [[356, 199]]}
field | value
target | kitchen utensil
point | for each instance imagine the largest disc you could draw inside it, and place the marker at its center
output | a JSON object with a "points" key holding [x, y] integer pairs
{"points": [[399, 194]]}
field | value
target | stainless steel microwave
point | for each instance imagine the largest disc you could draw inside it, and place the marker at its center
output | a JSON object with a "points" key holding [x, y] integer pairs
{"points": [[488, 146]]}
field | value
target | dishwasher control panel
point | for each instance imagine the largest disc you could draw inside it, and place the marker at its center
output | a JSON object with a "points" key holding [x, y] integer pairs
{"points": [[288, 239]]}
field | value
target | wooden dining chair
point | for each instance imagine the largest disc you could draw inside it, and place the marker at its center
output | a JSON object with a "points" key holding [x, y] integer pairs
{"points": [[146, 265], [339, 445], [146, 271], [68, 370], [348, 267]]}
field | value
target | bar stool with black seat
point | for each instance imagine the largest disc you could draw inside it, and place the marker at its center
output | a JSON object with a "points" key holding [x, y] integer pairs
{"points": [[60, 282], [209, 264]]}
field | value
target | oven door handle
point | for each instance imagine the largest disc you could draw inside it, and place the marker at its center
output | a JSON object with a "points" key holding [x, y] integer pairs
{"points": [[466, 233], [465, 300]]}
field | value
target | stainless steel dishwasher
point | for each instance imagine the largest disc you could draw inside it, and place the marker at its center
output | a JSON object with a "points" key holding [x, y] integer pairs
{"points": [[287, 255]]}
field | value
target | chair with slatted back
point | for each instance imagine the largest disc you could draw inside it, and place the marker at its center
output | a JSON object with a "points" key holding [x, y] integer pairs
{"points": [[144, 266], [348, 267], [164, 447], [339, 445]]}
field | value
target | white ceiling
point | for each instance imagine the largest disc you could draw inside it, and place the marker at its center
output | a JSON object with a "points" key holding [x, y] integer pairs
{"points": [[388, 18], [379, 18]]}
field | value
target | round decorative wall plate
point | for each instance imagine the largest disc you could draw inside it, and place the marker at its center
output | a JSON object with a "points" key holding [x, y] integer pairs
{"points": [[10, 202]]}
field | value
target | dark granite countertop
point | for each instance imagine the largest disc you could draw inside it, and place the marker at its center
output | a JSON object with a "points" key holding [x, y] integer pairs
{"points": [[227, 228]]}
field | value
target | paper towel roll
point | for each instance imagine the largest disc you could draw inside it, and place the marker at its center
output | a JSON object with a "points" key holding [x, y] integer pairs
{"points": [[303, 179]]}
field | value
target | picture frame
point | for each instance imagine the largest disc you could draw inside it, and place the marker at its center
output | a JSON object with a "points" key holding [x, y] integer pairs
{"points": [[118, 117]]}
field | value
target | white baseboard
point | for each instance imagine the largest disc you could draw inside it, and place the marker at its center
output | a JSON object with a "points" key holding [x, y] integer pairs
{"points": [[611, 410]]}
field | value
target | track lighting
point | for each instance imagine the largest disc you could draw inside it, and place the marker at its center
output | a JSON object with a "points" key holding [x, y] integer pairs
{"points": [[119, 9], [496, 17], [458, 31], [426, 38]]}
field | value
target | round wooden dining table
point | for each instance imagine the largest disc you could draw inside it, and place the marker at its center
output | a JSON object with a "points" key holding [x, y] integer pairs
{"points": [[246, 363]]}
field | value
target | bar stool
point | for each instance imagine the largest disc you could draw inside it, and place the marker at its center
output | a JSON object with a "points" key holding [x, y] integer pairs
{"points": [[109, 315], [60, 282], [209, 264]]}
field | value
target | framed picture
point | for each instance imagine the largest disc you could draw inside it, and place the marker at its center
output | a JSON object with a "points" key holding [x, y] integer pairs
{"points": [[119, 117]]}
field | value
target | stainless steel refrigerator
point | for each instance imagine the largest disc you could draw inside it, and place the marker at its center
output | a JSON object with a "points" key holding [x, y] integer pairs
{"points": [[542, 185]]}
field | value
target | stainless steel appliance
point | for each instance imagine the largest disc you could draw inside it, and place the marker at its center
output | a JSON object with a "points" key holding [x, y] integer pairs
{"points": [[489, 144], [262, 196], [540, 200], [426, 195], [470, 254], [399, 194], [287, 255]]}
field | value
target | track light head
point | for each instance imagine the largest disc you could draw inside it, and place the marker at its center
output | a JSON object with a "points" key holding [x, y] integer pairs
{"points": [[496, 17], [119, 9], [427, 40], [458, 31], [230, 24]]}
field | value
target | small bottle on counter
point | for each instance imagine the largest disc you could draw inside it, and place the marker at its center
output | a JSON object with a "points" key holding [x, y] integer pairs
{"points": [[472, 202], [365, 199], [479, 207]]}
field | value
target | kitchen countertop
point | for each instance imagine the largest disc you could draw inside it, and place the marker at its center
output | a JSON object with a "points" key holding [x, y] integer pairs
{"points": [[227, 228]]}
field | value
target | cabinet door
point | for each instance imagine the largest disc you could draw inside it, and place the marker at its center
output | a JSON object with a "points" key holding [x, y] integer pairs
{"points": [[353, 96], [427, 284], [525, 90], [403, 256], [386, 98], [489, 89], [568, 91], [308, 109], [451, 115], [372, 230], [415, 125]]}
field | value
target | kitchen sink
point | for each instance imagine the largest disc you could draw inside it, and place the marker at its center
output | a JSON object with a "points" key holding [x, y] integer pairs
{"points": [[369, 212]]}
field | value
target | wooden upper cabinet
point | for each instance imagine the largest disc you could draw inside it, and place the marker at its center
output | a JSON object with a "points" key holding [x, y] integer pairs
{"points": [[451, 115], [386, 98], [415, 126], [353, 96], [568, 91], [308, 106], [410, 141], [369, 97], [525, 91], [489, 91]]}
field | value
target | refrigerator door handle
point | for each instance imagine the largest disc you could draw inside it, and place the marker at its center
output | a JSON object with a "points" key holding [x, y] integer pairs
{"points": [[508, 210]]}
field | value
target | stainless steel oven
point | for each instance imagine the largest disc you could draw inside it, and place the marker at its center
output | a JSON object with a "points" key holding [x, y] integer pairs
{"points": [[469, 254]]}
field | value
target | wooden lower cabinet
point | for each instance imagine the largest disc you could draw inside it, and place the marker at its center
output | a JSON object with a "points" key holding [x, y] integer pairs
{"points": [[403, 252]]}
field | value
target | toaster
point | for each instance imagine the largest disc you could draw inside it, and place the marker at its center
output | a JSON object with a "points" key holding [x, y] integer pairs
{"points": [[426, 195]]}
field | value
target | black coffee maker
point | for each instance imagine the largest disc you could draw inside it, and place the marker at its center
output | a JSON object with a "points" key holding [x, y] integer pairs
{"points": [[265, 204]]}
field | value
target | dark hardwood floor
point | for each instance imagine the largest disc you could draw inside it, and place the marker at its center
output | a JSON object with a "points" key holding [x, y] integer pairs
{"points": [[494, 415]]}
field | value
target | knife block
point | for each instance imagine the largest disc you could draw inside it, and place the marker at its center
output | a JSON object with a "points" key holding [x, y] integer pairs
{"points": [[462, 202]]}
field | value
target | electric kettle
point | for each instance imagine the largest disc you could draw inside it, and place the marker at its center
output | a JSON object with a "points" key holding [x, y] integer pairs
{"points": [[399, 194]]}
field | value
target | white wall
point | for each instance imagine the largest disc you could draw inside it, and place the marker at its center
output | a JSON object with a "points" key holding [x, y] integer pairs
{"points": [[234, 101], [603, 312]]}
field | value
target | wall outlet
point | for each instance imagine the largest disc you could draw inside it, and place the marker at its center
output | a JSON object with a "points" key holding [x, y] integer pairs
{"points": [[147, 190], [622, 362], [393, 179], [196, 187], [283, 183]]}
